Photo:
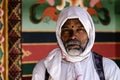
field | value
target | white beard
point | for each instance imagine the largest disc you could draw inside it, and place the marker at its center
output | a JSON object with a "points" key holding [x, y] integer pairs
{"points": [[74, 52]]}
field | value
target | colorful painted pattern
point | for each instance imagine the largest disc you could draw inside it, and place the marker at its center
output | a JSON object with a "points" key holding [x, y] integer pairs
{"points": [[2, 42], [17, 59]]}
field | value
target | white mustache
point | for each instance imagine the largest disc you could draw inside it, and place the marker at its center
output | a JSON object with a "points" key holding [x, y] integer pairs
{"points": [[73, 42]]}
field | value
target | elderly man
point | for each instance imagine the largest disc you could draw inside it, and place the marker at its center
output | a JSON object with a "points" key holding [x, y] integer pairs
{"points": [[74, 60]]}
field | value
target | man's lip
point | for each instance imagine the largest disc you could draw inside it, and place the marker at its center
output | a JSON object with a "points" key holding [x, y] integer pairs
{"points": [[73, 46]]}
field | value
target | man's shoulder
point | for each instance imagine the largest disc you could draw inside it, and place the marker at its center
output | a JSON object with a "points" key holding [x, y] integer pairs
{"points": [[39, 68], [108, 61], [111, 69], [40, 63], [109, 64]]}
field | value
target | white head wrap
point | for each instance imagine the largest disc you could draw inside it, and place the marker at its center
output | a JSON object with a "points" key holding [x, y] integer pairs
{"points": [[85, 19]]}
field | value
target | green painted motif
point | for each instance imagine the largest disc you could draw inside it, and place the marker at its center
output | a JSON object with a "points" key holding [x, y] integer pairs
{"points": [[34, 17], [0, 1], [1, 53]]}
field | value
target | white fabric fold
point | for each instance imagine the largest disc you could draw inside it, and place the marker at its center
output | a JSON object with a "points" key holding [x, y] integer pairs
{"points": [[70, 72], [53, 64], [74, 71]]}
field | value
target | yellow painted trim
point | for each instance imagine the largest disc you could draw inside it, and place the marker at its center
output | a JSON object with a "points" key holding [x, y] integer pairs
{"points": [[39, 43], [29, 62], [27, 75], [112, 31], [107, 42], [38, 31], [6, 38]]}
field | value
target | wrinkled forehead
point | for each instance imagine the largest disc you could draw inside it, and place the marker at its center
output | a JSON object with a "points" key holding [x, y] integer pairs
{"points": [[72, 23]]}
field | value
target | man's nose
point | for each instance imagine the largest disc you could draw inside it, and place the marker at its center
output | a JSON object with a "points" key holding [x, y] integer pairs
{"points": [[73, 35]]}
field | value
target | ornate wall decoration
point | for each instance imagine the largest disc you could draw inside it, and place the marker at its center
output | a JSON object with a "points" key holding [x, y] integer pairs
{"points": [[14, 39], [27, 32]]}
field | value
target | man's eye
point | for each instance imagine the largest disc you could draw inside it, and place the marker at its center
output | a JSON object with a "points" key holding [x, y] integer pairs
{"points": [[78, 30], [67, 32]]}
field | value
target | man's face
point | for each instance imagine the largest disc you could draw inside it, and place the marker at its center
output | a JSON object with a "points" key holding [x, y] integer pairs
{"points": [[74, 36]]}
